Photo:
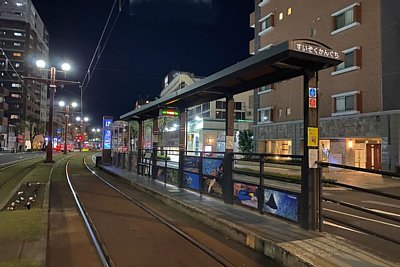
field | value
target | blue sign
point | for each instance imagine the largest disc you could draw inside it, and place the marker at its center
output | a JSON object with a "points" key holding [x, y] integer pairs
{"points": [[107, 123], [107, 139], [312, 92], [191, 180]]}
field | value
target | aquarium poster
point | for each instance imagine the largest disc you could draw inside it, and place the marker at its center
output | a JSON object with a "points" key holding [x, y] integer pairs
{"points": [[212, 167], [191, 164], [245, 194], [283, 204], [191, 180]]}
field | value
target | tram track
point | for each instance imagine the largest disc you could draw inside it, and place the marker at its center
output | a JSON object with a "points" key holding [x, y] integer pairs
{"points": [[104, 245]]}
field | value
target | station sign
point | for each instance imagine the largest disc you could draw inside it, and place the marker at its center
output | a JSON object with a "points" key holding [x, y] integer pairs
{"points": [[312, 92], [312, 97], [312, 103], [314, 48], [107, 133], [169, 112]]}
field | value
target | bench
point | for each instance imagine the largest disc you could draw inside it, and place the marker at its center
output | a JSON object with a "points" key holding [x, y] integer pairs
{"points": [[144, 164]]}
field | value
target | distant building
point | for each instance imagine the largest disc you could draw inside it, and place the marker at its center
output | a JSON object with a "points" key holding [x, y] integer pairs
{"points": [[3, 119], [358, 100], [206, 122], [23, 38]]}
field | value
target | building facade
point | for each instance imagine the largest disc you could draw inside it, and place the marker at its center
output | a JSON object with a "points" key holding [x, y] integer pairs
{"points": [[206, 122], [23, 39], [358, 103]]}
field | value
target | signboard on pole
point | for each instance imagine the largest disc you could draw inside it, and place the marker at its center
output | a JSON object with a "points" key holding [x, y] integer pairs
{"points": [[107, 135], [312, 137]]}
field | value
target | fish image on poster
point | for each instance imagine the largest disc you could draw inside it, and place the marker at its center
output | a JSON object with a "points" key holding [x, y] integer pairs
{"points": [[245, 194], [191, 180], [191, 164], [283, 204]]}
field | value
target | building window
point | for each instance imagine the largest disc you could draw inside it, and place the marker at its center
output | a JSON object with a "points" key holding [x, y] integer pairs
{"points": [[347, 103], [352, 61], [206, 106], [265, 89], [346, 18], [288, 111], [281, 16], [279, 113], [15, 95], [17, 44], [16, 54], [238, 105], [14, 117], [263, 3], [206, 114], [220, 104], [198, 109], [267, 23], [220, 114], [313, 32], [265, 115], [17, 33], [289, 11], [16, 85], [240, 115]]}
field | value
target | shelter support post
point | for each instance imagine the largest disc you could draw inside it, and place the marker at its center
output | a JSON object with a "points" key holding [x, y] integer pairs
{"points": [[310, 199], [227, 184], [139, 145], [155, 148], [182, 144]]}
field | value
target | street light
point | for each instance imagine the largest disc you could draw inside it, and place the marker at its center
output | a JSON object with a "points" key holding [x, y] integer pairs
{"points": [[41, 64], [73, 105]]}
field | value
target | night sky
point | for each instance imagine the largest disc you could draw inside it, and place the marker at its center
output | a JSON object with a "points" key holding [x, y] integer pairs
{"points": [[150, 39]]}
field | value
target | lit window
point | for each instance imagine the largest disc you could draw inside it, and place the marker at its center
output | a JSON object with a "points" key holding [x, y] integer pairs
{"points": [[352, 61], [17, 65], [289, 11], [15, 95], [14, 117], [280, 113], [19, 4], [17, 44], [16, 54], [17, 34], [281, 16], [346, 103], [346, 18], [15, 85], [288, 111], [264, 115]]}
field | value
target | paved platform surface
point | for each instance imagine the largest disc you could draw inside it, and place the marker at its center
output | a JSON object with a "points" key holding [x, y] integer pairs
{"points": [[280, 240]]}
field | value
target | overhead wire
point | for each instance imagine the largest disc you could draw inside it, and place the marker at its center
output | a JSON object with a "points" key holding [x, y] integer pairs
{"points": [[100, 45]]}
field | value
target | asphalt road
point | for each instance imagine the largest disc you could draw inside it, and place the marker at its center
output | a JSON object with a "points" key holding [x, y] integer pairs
{"points": [[7, 158]]}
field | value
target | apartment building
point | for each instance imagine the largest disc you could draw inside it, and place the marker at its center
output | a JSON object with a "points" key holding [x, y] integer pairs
{"points": [[206, 122], [23, 39], [358, 100]]}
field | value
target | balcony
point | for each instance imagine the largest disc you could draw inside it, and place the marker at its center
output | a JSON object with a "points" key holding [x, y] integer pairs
{"points": [[253, 20]]}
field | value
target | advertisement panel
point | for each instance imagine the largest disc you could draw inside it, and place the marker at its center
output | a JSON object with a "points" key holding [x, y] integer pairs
{"points": [[214, 171], [283, 204], [107, 139], [191, 164], [245, 194], [172, 176], [191, 180]]}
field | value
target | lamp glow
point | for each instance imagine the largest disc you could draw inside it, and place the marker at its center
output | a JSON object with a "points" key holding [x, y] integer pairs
{"points": [[65, 67], [78, 119], [61, 103], [40, 63], [86, 119], [74, 104]]}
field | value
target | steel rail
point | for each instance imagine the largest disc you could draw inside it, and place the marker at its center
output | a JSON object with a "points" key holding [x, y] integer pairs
{"points": [[220, 260], [104, 258]]}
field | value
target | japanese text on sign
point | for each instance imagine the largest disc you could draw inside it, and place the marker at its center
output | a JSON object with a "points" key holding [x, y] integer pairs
{"points": [[312, 136], [315, 50]]}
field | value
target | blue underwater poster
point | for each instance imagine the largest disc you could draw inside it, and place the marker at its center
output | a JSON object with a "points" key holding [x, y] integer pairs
{"points": [[245, 194], [283, 204], [212, 167], [191, 180]]}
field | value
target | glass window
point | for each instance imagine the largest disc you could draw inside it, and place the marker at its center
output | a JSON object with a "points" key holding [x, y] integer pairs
{"points": [[238, 105], [198, 109], [15, 95], [220, 114], [17, 34], [344, 103], [206, 106], [14, 117], [344, 19], [240, 115], [267, 23], [265, 88], [348, 61], [220, 105], [206, 114], [264, 115], [288, 111]]}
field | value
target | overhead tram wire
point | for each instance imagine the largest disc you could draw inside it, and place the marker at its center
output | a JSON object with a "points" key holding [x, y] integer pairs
{"points": [[100, 47]]}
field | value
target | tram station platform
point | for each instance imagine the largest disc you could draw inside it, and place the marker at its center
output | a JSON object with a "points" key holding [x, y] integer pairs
{"points": [[283, 241]]}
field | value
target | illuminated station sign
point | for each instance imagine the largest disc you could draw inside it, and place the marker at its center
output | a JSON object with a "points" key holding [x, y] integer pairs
{"points": [[169, 112]]}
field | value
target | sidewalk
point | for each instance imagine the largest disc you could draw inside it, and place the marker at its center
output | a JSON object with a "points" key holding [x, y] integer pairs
{"points": [[282, 241]]}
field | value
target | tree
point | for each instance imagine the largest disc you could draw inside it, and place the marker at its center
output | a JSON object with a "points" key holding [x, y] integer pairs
{"points": [[246, 141]]}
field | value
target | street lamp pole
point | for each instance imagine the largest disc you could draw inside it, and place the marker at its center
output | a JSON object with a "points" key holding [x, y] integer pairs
{"points": [[49, 151], [66, 129]]}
